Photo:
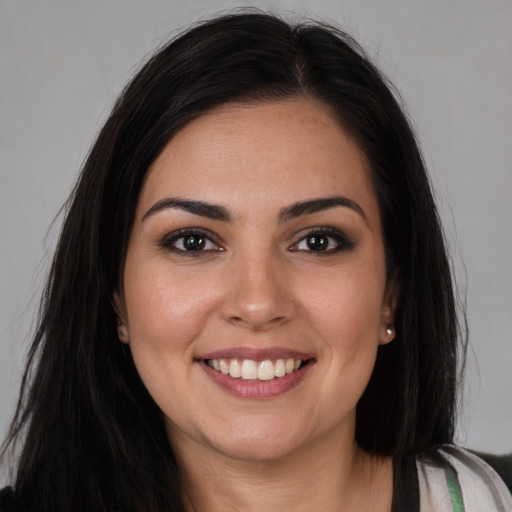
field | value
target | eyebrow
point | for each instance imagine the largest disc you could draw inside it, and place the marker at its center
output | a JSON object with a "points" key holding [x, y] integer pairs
{"points": [[218, 212], [316, 205], [212, 211]]}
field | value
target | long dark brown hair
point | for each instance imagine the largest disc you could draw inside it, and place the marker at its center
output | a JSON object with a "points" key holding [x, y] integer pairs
{"points": [[90, 435]]}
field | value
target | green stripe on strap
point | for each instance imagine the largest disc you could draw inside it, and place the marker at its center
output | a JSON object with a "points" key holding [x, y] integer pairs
{"points": [[454, 488]]}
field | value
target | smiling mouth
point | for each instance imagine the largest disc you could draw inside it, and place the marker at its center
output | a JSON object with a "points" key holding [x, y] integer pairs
{"points": [[249, 369]]}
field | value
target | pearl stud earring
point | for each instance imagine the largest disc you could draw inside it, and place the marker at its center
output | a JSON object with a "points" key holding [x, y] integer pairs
{"points": [[120, 332]]}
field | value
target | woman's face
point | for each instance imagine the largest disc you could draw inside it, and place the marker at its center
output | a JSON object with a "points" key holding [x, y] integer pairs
{"points": [[254, 287]]}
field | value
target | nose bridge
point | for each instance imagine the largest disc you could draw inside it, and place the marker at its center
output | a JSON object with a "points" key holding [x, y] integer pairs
{"points": [[258, 297]]}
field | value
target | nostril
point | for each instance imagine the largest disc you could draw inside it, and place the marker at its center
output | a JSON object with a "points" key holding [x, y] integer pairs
{"points": [[257, 324], [257, 306]]}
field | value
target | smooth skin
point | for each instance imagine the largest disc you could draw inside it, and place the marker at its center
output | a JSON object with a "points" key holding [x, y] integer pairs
{"points": [[243, 270]]}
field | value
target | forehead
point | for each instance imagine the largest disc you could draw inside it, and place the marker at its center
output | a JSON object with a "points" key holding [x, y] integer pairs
{"points": [[243, 154]]}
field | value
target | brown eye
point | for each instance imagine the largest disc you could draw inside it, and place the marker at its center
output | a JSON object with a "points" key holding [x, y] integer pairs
{"points": [[189, 242], [317, 242], [194, 242], [326, 240]]}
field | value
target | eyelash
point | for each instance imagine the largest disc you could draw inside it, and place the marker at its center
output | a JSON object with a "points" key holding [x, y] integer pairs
{"points": [[341, 240], [331, 234], [169, 242]]}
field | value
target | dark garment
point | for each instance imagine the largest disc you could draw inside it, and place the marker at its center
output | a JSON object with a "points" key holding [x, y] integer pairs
{"points": [[7, 500]]}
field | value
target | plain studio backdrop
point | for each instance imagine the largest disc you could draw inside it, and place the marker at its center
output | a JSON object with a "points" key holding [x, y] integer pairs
{"points": [[63, 64]]}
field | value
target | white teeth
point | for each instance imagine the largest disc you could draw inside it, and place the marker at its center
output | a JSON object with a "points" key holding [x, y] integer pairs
{"points": [[224, 367], [234, 369], [279, 369], [265, 370], [249, 369]]}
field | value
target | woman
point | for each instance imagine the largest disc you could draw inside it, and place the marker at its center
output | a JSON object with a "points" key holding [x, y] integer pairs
{"points": [[251, 305]]}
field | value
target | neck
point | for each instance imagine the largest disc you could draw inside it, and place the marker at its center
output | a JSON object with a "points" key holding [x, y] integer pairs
{"points": [[325, 476]]}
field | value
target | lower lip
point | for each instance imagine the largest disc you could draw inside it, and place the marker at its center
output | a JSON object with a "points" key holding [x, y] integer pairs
{"points": [[258, 389]]}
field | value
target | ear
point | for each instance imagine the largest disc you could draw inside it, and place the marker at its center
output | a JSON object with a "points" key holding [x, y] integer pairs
{"points": [[122, 325], [387, 329]]}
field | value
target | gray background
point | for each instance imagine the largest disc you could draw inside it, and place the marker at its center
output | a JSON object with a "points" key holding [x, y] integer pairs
{"points": [[63, 63]]}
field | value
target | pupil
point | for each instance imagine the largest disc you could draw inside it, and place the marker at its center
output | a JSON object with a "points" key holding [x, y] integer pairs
{"points": [[194, 242], [317, 242]]}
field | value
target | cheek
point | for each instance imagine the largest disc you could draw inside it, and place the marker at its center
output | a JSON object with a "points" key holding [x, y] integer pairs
{"points": [[345, 311], [163, 306], [347, 306], [166, 315]]}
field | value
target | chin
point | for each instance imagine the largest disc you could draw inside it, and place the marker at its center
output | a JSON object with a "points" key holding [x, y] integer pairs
{"points": [[260, 441]]}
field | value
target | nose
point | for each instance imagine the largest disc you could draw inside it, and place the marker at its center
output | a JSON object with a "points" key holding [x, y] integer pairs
{"points": [[258, 296]]}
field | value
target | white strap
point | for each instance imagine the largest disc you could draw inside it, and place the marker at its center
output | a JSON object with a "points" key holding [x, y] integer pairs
{"points": [[482, 488], [434, 493]]}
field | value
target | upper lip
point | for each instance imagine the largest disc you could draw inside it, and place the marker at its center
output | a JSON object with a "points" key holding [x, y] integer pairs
{"points": [[255, 354]]}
